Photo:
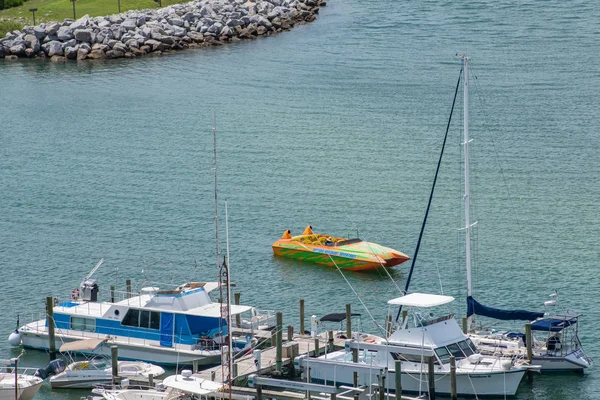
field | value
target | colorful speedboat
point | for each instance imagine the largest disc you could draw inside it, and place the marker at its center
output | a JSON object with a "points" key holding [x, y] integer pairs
{"points": [[347, 254]]}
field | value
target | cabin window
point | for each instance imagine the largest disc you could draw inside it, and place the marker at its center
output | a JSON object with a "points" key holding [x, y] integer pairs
{"points": [[142, 319], [409, 357], [464, 346], [83, 324], [443, 354], [132, 318], [455, 350]]}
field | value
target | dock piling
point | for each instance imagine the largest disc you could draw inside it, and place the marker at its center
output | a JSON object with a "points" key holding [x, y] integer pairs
{"points": [[348, 321], [355, 373], [431, 378], [128, 286], [195, 366], [50, 322], [317, 350], [528, 343], [330, 341], [236, 301], [290, 333], [302, 316], [398, 378], [381, 384], [151, 380], [453, 394], [279, 337], [114, 353], [464, 325], [112, 293], [388, 325]]}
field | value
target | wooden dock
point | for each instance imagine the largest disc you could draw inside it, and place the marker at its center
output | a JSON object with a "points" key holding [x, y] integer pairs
{"points": [[246, 365]]}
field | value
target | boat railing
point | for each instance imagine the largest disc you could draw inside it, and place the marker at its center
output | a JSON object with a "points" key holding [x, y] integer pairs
{"points": [[22, 372]]}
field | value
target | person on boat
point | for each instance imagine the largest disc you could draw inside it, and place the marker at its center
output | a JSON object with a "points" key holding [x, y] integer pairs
{"points": [[287, 234], [329, 241]]}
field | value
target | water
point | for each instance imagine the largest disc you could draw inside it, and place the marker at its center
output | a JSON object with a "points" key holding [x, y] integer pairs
{"points": [[337, 123]]}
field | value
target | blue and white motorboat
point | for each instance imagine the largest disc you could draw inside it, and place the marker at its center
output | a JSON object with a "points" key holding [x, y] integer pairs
{"points": [[165, 327]]}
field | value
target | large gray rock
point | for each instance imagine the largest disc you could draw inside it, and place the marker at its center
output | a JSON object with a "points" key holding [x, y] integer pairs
{"points": [[18, 50], [175, 21], [39, 32], [215, 28], [167, 40], [120, 47], [178, 31], [71, 52], [115, 54], [195, 36], [101, 47], [53, 48], [129, 24], [81, 23], [141, 21], [85, 46], [64, 33], [132, 43], [52, 29], [32, 42], [84, 35]]}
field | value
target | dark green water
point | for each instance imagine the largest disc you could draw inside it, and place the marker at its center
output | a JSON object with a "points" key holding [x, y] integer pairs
{"points": [[338, 124]]}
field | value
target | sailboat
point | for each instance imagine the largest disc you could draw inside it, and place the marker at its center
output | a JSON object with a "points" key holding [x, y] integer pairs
{"points": [[561, 350]]}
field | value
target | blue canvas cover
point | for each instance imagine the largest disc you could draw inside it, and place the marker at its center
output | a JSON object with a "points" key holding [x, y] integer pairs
{"points": [[474, 307], [552, 324], [166, 329]]}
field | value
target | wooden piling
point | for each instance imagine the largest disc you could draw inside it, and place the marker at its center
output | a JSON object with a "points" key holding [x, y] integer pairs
{"points": [[290, 333], [381, 384], [236, 301], [114, 353], [388, 325], [453, 394], [431, 378], [195, 366], [330, 341], [151, 380], [333, 396], [128, 288], [279, 318], [404, 315], [112, 293], [16, 378], [50, 323], [529, 340], [398, 378], [348, 321], [234, 371], [464, 325], [317, 350], [259, 392], [302, 316]]}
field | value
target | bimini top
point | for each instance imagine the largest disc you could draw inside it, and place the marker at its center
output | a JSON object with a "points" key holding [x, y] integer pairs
{"points": [[554, 323], [421, 300]]}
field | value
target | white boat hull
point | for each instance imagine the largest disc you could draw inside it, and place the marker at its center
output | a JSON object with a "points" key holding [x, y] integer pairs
{"points": [[481, 384], [26, 389], [129, 349]]}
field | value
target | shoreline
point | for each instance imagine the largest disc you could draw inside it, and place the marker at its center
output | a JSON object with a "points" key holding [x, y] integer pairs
{"points": [[138, 33]]}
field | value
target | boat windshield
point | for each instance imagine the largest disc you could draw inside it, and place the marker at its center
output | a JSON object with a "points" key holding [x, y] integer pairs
{"points": [[459, 350]]}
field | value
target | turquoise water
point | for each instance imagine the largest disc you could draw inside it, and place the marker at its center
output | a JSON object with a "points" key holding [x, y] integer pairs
{"points": [[337, 123]]}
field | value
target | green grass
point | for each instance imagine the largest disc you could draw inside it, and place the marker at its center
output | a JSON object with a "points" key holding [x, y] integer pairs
{"points": [[8, 26], [58, 10]]}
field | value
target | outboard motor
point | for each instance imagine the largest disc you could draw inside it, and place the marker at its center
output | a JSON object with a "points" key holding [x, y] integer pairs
{"points": [[55, 367], [89, 290]]}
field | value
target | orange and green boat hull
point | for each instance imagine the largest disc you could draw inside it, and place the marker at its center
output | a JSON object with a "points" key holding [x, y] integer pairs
{"points": [[349, 255]]}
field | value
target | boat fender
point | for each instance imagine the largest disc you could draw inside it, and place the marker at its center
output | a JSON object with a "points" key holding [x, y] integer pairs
{"points": [[14, 339], [75, 294], [369, 340]]}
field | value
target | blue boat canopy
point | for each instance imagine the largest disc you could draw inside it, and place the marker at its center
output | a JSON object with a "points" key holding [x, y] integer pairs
{"points": [[552, 324], [474, 307]]}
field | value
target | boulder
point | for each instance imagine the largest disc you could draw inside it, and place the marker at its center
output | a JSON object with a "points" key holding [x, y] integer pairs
{"points": [[32, 42], [101, 47], [82, 53], [84, 35], [132, 43], [141, 21], [18, 50], [52, 29], [195, 36], [96, 54], [120, 47], [167, 40], [129, 24], [82, 22], [53, 48], [30, 53], [39, 32], [178, 31], [71, 52], [58, 59], [64, 33], [11, 58], [85, 46], [115, 54]]}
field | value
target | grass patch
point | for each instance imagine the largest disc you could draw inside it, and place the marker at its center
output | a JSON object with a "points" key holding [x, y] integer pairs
{"points": [[58, 10], [8, 26]]}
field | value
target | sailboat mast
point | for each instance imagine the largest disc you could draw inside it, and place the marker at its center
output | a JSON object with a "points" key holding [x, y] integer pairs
{"points": [[214, 130], [467, 198]]}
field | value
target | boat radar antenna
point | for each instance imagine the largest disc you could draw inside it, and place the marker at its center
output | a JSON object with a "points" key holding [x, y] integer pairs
{"points": [[225, 295], [88, 276]]}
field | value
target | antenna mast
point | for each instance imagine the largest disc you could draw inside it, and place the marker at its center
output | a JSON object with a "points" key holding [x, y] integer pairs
{"points": [[225, 294]]}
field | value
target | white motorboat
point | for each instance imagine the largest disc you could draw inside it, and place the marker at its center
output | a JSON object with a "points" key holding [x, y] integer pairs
{"points": [[413, 345], [17, 383], [166, 327], [174, 386], [97, 371]]}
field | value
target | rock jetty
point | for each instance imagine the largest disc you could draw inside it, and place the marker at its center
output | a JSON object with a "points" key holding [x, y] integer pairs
{"points": [[152, 32]]}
